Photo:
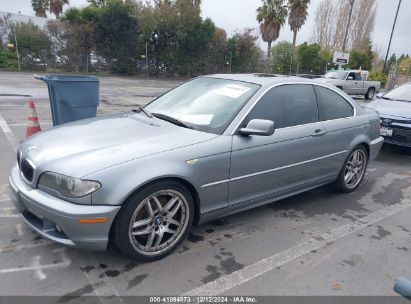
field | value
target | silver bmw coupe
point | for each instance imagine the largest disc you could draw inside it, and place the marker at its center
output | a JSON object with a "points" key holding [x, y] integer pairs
{"points": [[213, 146]]}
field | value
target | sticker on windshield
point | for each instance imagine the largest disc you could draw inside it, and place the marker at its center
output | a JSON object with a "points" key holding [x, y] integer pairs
{"points": [[197, 119], [232, 90]]}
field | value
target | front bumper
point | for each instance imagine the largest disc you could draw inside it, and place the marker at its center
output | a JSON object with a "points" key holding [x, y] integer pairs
{"points": [[57, 219], [375, 147]]}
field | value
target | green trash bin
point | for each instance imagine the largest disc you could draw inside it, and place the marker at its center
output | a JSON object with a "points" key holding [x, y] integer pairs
{"points": [[72, 97]]}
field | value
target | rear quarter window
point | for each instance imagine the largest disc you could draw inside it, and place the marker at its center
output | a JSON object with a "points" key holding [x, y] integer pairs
{"points": [[332, 105]]}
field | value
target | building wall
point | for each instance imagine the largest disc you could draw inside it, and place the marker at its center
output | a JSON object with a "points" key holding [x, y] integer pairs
{"points": [[41, 22]]}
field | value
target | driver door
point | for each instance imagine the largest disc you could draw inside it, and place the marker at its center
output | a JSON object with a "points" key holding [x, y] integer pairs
{"points": [[264, 167]]}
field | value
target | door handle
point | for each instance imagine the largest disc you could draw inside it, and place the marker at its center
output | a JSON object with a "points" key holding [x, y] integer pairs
{"points": [[319, 132]]}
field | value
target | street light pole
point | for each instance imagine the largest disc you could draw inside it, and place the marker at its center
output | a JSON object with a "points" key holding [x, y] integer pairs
{"points": [[17, 49], [147, 58], [392, 31], [348, 25], [231, 60]]}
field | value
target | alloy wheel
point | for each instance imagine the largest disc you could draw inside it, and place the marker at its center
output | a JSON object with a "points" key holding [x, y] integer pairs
{"points": [[158, 222], [355, 169]]}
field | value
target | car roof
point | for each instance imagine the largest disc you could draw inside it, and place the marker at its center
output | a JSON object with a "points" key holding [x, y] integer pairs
{"points": [[260, 78]]}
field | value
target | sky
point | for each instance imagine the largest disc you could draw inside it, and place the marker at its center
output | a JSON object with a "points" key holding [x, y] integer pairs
{"points": [[234, 15]]}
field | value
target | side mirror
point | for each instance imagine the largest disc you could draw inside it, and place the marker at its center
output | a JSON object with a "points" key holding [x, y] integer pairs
{"points": [[260, 127], [350, 78]]}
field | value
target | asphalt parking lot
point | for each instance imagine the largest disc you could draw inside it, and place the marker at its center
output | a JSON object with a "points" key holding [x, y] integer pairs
{"points": [[319, 243]]}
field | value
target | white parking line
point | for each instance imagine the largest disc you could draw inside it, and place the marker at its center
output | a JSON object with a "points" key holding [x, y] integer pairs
{"points": [[9, 134], [38, 272], [19, 229], [5, 200], [6, 212], [263, 266], [13, 248], [66, 262], [9, 215]]}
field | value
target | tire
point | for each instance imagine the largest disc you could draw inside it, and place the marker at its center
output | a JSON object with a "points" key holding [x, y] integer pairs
{"points": [[370, 94], [345, 185], [154, 221]]}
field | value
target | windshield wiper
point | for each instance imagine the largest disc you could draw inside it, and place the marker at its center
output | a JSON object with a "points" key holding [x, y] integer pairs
{"points": [[383, 97], [141, 109], [172, 120]]}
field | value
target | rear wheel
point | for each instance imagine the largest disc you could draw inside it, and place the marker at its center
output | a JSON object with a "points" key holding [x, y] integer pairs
{"points": [[353, 170], [370, 94], [154, 221]]}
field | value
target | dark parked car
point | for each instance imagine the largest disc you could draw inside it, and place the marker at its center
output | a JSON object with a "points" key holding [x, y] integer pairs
{"points": [[395, 112]]}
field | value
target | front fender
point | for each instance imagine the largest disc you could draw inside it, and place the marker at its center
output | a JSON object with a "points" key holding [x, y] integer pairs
{"points": [[211, 163]]}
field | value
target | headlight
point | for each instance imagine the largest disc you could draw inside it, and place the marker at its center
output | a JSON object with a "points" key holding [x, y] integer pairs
{"points": [[70, 187]]}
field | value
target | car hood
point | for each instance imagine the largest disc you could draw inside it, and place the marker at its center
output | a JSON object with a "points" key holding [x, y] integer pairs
{"points": [[83, 147], [391, 108]]}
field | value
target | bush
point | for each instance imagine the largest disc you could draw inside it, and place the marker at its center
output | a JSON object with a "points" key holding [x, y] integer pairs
{"points": [[378, 76], [8, 60]]}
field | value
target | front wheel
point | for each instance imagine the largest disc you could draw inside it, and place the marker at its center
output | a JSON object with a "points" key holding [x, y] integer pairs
{"points": [[353, 171], [154, 221]]}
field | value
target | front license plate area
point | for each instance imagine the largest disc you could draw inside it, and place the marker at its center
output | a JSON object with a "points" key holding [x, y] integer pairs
{"points": [[387, 132], [16, 199]]}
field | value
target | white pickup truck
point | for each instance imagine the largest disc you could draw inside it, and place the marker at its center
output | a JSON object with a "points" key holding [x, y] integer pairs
{"points": [[352, 82]]}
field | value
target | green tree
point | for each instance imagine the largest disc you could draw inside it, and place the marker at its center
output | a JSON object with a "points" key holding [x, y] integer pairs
{"points": [[297, 16], [404, 67], [282, 57], [8, 60], [244, 52], [75, 37], [117, 34], [390, 62], [56, 6], [34, 45], [97, 3], [40, 7], [271, 16], [378, 76], [310, 60], [219, 55], [360, 60]]}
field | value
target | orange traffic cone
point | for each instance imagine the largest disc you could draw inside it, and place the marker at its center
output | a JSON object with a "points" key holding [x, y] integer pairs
{"points": [[33, 125]]}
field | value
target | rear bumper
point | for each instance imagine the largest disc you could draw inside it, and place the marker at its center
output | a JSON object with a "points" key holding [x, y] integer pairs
{"points": [[375, 147], [57, 219]]}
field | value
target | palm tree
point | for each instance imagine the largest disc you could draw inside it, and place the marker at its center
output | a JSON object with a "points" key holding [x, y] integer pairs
{"points": [[56, 6], [297, 15], [271, 16], [40, 7]]}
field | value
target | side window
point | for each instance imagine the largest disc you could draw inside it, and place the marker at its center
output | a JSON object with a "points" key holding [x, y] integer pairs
{"points": [[287, 105], [351, 76], [332, 105], [358, 76]]}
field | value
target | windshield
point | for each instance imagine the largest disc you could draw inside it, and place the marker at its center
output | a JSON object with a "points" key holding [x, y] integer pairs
{"points": [[402, 93], [205, 104], [335, 75]]}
